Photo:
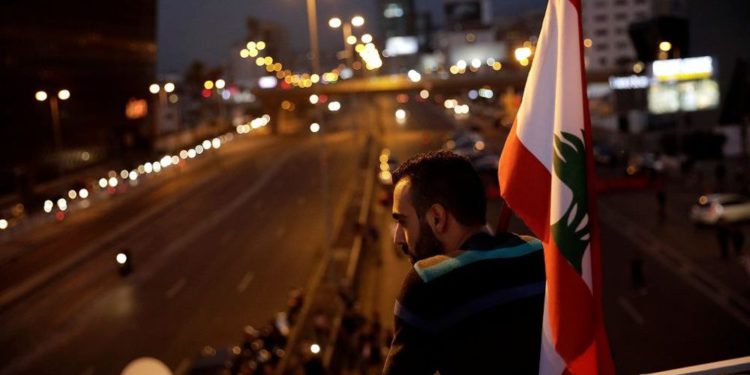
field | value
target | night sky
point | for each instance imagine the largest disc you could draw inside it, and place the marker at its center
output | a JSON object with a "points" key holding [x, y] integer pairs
{"points": [[205, 30]]}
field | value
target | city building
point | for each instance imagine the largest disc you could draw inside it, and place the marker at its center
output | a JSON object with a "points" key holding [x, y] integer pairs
{"points": [[76, 79]]}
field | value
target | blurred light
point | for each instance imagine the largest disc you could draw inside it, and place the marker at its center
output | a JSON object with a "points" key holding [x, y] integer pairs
{"points": [[141, 169], [524, 62], [102, 182], [220, 83], [450, 103], [215, 143], [206, 144], [165, 161], [479, 145], [175, 159], [424, 94], [62, 204], [268, 60], [400, 114], [461, 64], [154, 88], [476, 63], [48, 205], [198, 149], [366, 38], [497, 66], [351, 40], [286, 105], [522, 53], [414, 76], [121, 258], [191, 153], [251, 45], [72, 194], [587, 43], [334, 22], [148, 168], [253, 52], [123, 173], [261, 45], [454, 69], [638, 67], [358, 21], [334, 106], [486, 93], [206, 93], [267, 82], [63, 94], [133, 175], [111, 174], [315, 78], [473, 94], [314, 127], [314, 99], [113, 181], [346, 73], [83, 193], [315, 348], [173, 98], [359, 48], [244, 53], [40, 96], [157, 167], [208, 85], [4, 225], [169, 87], [386, 177], [490, 61], [665, 46], [226, 94]]}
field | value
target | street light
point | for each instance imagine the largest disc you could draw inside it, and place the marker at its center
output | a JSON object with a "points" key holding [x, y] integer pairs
{"points": [[334, 22], [169, 87], [154, 88], [54, 106], [665, 46], [346, 29], [358, 21]]}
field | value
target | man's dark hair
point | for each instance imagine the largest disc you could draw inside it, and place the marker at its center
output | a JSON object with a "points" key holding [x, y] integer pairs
{"points": [[448, 179]]}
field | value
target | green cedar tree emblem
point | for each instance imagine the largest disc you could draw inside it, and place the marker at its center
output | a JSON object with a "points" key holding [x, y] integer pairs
{"points": [[570, 167]]}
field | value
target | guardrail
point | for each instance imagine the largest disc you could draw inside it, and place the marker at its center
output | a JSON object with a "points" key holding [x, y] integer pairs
{"points": [[729, 366]]}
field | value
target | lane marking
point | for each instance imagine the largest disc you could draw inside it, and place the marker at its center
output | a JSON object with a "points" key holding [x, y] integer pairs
{"points": [[713, 289], [176, 288], [244, 282], [630, 309]]}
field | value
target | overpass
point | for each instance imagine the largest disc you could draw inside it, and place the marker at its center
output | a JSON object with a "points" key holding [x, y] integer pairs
{"points": [[444, 84]]}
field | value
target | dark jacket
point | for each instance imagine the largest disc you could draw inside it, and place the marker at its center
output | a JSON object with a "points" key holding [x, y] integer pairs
{"points": [[478, 311]]}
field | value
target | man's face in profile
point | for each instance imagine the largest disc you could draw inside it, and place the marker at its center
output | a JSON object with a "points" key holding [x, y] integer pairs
{"points": [[413, 236]]}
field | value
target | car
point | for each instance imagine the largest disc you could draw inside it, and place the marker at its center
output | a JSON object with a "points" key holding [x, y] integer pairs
{"points": [[714, 209]]}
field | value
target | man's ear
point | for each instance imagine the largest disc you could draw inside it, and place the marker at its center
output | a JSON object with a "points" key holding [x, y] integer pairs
{"points": [[437, 218]]}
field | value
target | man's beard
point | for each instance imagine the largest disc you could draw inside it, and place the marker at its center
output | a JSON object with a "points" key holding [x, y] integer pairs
{"points": [[427, 244]]}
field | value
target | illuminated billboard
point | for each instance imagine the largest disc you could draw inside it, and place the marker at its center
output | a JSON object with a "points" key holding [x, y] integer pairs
{"points": [[683, 85], [401, 45]]}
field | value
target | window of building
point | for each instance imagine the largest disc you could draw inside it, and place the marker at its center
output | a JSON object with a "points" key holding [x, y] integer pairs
{"points": [[602, 61], [621, 45], [601, 46], [393, 10], [620, 30], [600, 4], [640, 2], [640, 16], [601, 32], [620, 16], [601, 18], [621, 2]]}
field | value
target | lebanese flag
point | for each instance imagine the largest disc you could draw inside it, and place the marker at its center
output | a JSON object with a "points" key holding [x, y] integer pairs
{"points": [[546, 175]]}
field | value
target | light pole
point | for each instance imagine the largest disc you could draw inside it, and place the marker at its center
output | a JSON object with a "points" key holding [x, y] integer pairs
{"points": [[161, 109], [54, 107], [349, 39]]}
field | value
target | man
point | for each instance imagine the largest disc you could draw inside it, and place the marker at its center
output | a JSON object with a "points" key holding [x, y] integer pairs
{"points": [[472, 302]]}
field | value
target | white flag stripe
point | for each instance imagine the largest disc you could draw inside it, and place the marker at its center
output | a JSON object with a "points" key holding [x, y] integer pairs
{"points": [[553, 82]]}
